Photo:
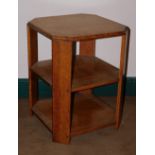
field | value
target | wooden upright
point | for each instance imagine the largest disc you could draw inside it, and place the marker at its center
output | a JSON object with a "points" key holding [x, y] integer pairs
{"points": [[73, 109]]}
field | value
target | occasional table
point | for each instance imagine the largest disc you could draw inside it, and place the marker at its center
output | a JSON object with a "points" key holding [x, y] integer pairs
{"points": [[73, 109]]}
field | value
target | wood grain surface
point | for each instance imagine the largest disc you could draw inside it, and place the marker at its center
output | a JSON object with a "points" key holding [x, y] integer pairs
{"points": [[77, 27], [32, 41], [61, 79], [88, 72], [88, 114], [73, 110]]}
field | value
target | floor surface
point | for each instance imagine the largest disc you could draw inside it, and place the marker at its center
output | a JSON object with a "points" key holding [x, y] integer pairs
{"points": [[35, 139]]}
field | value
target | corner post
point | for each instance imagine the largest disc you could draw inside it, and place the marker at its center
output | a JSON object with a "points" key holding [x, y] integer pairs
{"points": [[87, 48], [122, 73], [32, 41], [61, 79]]}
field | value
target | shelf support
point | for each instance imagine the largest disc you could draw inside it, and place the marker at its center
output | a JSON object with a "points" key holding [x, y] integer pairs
{"points": [[122, 74], [87, 48], [32, 58], [61, 77]]}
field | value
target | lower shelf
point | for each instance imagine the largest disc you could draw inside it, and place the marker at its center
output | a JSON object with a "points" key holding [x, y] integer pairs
{"points": [[88, 114]]}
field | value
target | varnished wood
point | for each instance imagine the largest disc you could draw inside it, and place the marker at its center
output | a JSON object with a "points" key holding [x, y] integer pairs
{"points": [[88, 114], [87, 48], [119, 103], [61, 79], [77, 27], [68, 114], [84, 77], [42, 109], [32, 58]]}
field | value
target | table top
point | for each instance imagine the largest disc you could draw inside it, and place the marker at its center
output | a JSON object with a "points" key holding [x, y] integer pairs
{"points": [[77, 27]]}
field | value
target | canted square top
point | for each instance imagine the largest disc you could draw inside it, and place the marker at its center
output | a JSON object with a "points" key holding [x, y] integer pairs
{"points": [[77, 27]]}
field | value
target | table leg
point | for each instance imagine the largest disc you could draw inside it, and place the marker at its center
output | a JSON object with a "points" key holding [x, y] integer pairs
{"points": [[32, 58], [87, 48], [122, 72], [61, 79]]}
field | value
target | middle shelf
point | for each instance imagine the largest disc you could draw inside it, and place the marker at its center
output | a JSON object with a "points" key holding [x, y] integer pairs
{"points": [[88, 72]]}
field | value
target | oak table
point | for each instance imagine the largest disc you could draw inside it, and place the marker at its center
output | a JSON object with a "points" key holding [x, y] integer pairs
{"points": [[73, 109]]}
